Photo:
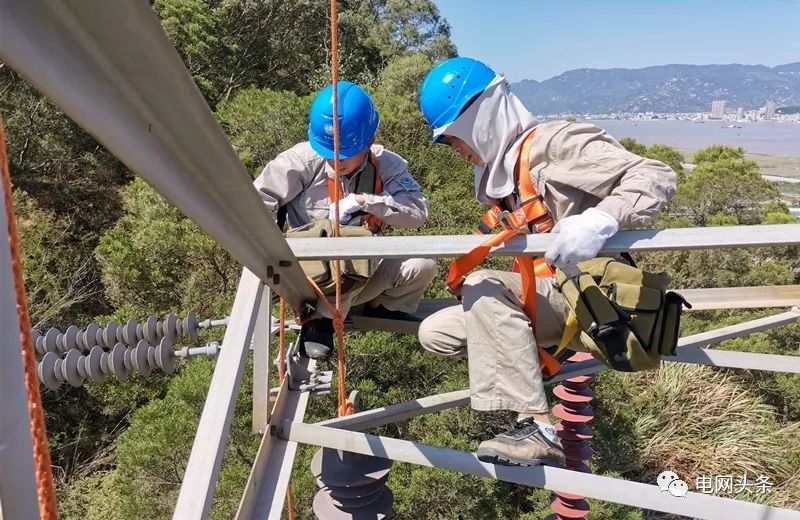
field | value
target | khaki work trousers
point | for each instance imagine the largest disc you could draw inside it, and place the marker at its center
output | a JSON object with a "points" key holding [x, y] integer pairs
{"points": [[397, 284], [492, 329]]}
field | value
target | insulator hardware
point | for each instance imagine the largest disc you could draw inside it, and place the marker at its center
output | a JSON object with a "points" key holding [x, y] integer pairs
{"points": [[75, 367], [131, 333], [575, 434], [351, 485]]}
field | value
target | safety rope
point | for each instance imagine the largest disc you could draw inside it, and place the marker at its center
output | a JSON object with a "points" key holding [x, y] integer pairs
{"points": [[41, 453], [345, 406]]}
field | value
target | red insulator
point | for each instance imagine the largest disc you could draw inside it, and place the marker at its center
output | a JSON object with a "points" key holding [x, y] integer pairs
{"points": [[575, 434]]}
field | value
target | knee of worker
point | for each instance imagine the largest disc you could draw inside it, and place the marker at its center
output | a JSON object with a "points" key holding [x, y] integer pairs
{"points": [[482, 283], [422, 270], [433, 339]]}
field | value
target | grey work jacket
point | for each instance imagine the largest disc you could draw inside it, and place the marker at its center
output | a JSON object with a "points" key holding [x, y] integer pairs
{"points": [[298, 178]]}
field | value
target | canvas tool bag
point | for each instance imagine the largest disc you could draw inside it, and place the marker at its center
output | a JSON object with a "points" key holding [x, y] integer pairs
{"points": [[623, 315], [355, 273]]}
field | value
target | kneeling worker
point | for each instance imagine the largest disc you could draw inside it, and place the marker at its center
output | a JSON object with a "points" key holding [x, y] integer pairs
{"points": [[573, 175], [378, 191]]}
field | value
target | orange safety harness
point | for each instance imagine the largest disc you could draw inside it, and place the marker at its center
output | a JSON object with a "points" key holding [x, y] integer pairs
{"points": [[530, 217], [369, 221]]}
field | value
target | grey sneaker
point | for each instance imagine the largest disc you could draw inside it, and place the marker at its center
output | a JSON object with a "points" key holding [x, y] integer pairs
{"points": [[522, 445]]}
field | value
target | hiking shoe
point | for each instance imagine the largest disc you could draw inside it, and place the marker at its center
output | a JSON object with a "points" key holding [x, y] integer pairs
{"points": [[383, 313], [522, 445], [316, 338]]}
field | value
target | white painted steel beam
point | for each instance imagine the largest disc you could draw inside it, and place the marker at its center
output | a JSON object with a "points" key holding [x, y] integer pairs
{"points": [[202, 470], [635, 494], [399, 412], [262, 337], [265, 492], [633, 241], [18, 500], [111, 68], [742, 297], [737, 359]]}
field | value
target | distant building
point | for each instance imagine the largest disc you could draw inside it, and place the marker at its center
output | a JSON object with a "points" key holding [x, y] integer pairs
{"points": [[740, 114], [717, 109], [769, 110]]}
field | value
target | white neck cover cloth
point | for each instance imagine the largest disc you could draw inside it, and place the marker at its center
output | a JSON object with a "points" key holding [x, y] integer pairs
{"points": [[492, 126]]}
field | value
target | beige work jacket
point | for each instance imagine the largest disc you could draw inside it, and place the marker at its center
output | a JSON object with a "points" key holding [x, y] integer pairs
{"points": [[575, 166]]}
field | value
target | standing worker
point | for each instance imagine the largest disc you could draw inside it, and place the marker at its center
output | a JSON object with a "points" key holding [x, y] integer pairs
{"points": [[377, 191], [573, 175]]}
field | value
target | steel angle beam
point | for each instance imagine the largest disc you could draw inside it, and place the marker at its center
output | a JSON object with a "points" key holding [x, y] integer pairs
{"points": [[399, 412], [742, 297], [711, 337], [633, 241], [645, 496], [698, 341], [737, 359], [111, 68], [265, 492], [262, 337], [202, 470]]}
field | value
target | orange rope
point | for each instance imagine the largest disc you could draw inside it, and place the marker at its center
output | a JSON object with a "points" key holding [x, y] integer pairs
{"points": [[345, 406], [41, 452]]}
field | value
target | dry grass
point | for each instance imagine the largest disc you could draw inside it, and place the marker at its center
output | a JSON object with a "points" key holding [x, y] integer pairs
{"points": [[701, 421]]}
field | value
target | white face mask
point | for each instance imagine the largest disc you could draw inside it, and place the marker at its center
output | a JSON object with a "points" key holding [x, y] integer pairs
{"points": [[491, 126]]}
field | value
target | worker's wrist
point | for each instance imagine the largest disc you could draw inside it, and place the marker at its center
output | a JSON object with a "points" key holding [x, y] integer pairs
{"points": [[361, 199]]}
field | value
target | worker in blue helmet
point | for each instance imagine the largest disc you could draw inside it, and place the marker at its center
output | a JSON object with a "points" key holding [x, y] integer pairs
{"points": [[377, 190], [572, 174]]}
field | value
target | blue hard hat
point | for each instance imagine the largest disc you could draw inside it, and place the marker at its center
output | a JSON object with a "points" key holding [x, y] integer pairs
{"points": [[358, 121], [450, 86]]}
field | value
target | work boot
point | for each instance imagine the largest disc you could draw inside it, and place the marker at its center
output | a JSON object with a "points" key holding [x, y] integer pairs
{"points": [[385, 314], [522, 445], [316, 338]]}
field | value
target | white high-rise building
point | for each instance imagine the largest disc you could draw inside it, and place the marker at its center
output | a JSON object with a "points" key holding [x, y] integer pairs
{"points": [[740, 114], [718, 109], [769, 110]]}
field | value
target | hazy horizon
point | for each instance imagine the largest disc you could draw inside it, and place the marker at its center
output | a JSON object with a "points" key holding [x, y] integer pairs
{"points": [[659, 65]]}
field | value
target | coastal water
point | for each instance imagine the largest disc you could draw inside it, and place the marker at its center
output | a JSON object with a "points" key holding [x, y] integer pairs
{"points": [[758, 138]]}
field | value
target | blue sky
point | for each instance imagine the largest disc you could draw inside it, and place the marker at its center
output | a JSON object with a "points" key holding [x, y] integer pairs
{"points": [[539, 39]]}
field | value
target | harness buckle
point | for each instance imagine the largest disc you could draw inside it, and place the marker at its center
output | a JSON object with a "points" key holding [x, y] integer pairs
{"points": [[514, 220]]}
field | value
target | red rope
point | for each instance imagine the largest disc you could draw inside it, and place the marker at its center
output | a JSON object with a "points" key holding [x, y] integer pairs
{"points": [[41, 453]]}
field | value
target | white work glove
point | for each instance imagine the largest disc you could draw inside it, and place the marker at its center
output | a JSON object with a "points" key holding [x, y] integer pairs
{"points": [[347, 206], [580, 237]]}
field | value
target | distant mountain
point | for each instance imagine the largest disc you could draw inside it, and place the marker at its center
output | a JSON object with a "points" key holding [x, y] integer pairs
{"points": [[666, 88]]}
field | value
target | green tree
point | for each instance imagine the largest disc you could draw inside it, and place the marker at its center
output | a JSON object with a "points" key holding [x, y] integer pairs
{"points": [[158, 261], [732, 187], [632, 145], [282, 45], [263, 123], [718, 152], [57, 281], [668, 155]]}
